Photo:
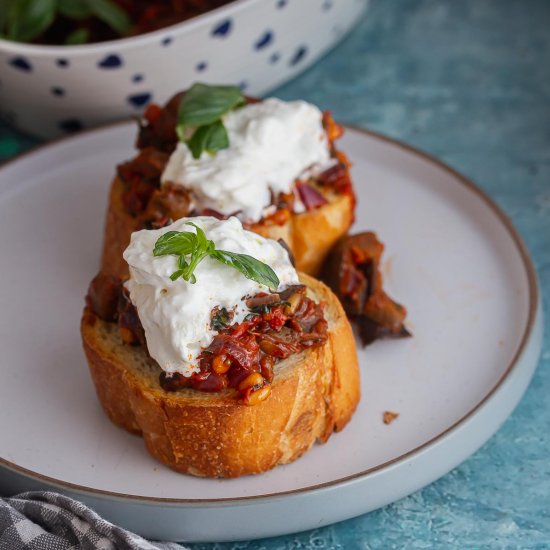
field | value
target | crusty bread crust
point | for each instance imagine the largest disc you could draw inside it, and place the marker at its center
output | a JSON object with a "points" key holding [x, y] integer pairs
{"points": [[310, 235], [214, 434], [119, 225]]}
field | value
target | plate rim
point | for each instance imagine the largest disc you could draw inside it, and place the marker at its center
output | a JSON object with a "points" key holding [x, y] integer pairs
{"points": [[534, 305]]}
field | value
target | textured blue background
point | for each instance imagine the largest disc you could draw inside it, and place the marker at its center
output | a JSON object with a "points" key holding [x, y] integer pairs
{"points": [[468, 81]]}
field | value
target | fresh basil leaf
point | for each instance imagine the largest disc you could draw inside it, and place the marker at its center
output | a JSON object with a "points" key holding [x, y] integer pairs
{"points": [[209, 138], [182, 262], [79, 36], [28, 19], [185, 271], [176, 274], [180, 132], [203, 104], [202, 242], [196, 143], [198, 246], [175, 242], [183, 243], [74, 9], [196, 257], [250, 267], [111, 14]]}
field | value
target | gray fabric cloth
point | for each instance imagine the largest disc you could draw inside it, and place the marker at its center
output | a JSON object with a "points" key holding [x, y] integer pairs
{"points": [[43, 520]]}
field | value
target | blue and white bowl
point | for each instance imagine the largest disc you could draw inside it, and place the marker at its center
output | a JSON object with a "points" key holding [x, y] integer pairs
{"points": [[52, 90]]}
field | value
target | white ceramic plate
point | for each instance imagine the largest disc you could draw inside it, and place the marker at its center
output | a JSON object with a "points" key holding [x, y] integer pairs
{"points": [[451, 256]]}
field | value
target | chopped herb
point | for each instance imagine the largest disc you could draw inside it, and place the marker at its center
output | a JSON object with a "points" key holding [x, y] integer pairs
{"points": [[221, 319]]}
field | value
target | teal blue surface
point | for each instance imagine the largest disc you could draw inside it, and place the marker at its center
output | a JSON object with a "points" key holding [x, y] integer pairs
{"points": [[468, 81]]}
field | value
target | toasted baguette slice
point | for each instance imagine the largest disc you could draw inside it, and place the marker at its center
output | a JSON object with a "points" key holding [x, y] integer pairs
{"points": [[310, 235], [214, 434]]}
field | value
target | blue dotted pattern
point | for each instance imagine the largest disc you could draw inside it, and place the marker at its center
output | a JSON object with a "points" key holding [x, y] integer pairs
{"points": [[265, 40], [299, 54], [20, 63], [112, 61], [140, 100], [221, 30]]}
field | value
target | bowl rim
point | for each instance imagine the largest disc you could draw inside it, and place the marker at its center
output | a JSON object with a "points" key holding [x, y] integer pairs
{"points": [[233, 7]]}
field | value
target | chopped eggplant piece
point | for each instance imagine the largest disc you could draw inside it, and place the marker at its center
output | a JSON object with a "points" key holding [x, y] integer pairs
{"points": [[103, 295], [352, 270]]}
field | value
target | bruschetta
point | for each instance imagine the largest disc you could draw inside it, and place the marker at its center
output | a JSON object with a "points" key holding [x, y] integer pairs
{"points": [[271, 163], [217, 352]]}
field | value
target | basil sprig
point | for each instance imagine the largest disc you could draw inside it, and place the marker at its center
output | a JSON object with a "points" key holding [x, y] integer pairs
{"points": [[25, 20], [192, 248], [201, 109]]}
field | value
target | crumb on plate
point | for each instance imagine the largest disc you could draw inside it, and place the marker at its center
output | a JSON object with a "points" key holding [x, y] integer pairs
{"points": [[389, 416]]}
